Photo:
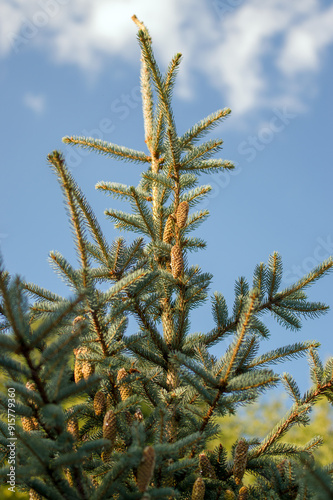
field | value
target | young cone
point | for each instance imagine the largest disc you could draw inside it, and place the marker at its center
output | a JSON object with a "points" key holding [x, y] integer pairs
{"points": [[69, 476], [124, 389], [78, 374], [198, 491], [206, 468], [177, 264], [169, 230], [243, 493], [146, 468], [29, 424], [73, 428], [138, 415], [110, 427], [99, 403], [182, 213], [87, 369], [33, 495], [240, 460]]}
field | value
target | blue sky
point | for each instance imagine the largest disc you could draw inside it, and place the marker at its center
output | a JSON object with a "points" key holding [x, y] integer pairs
{"points": [[72, 68]]}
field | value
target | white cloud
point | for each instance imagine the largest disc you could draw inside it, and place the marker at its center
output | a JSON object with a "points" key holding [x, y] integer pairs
{"points": [[255, 53], [35, 102]]}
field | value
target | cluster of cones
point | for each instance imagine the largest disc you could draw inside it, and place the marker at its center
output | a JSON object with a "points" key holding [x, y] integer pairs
{"points": [[180, 219]]}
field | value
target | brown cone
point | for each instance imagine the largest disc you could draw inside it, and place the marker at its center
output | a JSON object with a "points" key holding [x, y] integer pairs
{"points": [[78, 374], [69, 477], [99, 403], [146, 468], [73, 427], [243, 493], [106, 456], [138, 415], [182, 213], [168, 230], [29, 424], [240, 460], [87, 369], [177, 264], [124, 389], [198, 491], [110, 426], [33, 495], [206, 468]]}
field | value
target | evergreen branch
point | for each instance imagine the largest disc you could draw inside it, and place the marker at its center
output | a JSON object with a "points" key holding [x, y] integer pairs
{"points": [[254, 380], [150, 328], [127, 221], [163, 93], [58, 162], [116, 189], [202, 127], [316, 367], [198, 370], [144, 213], [297, 414], [195, 219], [41, 293], [194, 196], [259, 278], [65, 269], [49, 325], [169, 80], [244, 325], [207, 166], [273, 274], [107, 148], [159, 178], [282, 353], [304, 282], [203, 151]]}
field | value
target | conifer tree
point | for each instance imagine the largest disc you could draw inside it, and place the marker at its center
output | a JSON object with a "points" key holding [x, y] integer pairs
{"points": [[106, 413]]}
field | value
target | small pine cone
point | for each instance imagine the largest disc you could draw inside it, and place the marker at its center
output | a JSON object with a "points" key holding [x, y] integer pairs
{"points": [[124, 389], [206, 468], [243, 493], [110, 426], [138, 415], [229, 495], [99, 403], [106, 455], [78, 374], [77, 320], [29, 424], [69, 476], [31, 386], [177, 264], [198, 491], [87, 369], [33, 495], [146, 468], [240, 460], [168, 230], [94, 482], [73, 428], [182, 213]]}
